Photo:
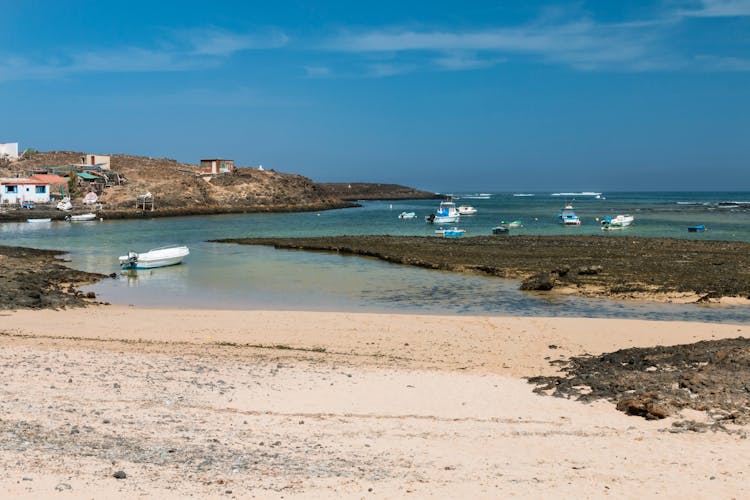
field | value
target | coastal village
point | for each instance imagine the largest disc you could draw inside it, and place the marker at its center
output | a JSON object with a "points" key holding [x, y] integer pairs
{"points": [[57, 183]]}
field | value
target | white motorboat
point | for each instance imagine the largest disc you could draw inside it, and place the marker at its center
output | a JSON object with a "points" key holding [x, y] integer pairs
{"points": [[157, 257], [568, 217], [619, 222], [81, 217], [407, 215], [445, 214], [38, 221], [467, 210]]}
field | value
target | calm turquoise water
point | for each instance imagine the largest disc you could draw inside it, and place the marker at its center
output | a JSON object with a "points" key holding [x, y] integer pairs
{"points": [[245, 277]]}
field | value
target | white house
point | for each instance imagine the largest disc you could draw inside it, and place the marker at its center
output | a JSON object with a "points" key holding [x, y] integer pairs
{"points": [[9, 149], [17, 190]]}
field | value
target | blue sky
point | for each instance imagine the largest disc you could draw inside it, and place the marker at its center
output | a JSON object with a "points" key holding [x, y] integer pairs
{"points": [[441, 95]]}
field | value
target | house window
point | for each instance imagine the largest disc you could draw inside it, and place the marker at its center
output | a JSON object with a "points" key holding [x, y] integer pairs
{"points": [[41, 189], [11, 189]]}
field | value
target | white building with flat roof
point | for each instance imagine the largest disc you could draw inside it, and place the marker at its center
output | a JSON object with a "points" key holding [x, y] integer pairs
{"points": [[9, 150]]}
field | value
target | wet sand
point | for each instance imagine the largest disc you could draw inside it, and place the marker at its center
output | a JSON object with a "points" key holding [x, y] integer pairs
{"points": [[283, 404]]}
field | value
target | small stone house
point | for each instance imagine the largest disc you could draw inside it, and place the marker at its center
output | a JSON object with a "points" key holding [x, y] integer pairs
{"points": [[217, 166], [101, 161]]}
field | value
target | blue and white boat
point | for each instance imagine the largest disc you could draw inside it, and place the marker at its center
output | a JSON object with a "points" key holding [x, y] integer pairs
{"points": [[450, 232], [445, 214], [696, 229], [619, 222], [568, 217]]}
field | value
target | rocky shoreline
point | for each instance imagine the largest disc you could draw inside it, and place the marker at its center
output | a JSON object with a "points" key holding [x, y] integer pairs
{"points": [[658, 269], [21, 215], [36, 279]]}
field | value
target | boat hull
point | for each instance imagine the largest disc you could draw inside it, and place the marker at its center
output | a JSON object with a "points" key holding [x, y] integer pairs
{"points": [[82, 217], [154, 258]]}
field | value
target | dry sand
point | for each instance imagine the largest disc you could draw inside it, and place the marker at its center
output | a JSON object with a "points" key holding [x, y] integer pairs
{"points": [[210, 403]]}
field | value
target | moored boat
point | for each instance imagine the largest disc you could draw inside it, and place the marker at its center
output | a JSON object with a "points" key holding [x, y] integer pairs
{"points": [[445, 214], [618, 222], [696, 229], [157, 257], [500, 230], [81, 217], [407, 215], [467, 210], [568, 217]]}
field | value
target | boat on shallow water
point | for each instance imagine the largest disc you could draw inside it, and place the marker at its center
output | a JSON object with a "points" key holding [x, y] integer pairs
{"points": [[445, 214], [568, 217], [38, 221], [619, 222], [467, 210], [157, 257], [81, 217], [450, 232], [500, 230], [696, 229], [407, 215]]}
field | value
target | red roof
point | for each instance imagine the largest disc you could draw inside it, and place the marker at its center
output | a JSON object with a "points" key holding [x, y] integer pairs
{"points": [[49, 178], [18, 181]]}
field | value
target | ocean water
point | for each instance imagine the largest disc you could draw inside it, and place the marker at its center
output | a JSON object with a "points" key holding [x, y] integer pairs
{"points": [[247, 277]]}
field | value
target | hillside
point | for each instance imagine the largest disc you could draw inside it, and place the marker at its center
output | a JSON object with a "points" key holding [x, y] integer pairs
{"points": [[177, 186]]}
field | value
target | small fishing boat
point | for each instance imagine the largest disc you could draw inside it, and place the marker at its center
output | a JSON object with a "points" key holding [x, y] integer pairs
{"points": [[407, 215], [467, 210], [38, 221], [619, 222], [445, 214], [450, 232], [157, 257], [81, 217], [568, 217], [696, 229], [500, 230], [513, 224]]}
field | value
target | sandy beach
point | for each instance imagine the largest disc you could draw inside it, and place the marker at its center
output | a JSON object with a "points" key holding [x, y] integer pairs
{"points": [[207, 403]]}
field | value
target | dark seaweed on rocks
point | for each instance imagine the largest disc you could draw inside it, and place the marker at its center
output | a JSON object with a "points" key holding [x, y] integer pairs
{"points": [[35, 279], [654, 382], [599, 266]]}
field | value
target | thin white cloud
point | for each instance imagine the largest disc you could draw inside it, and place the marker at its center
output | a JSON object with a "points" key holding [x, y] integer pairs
{"points": [[729, 64], [461, 61], [184, 51], [219, 42], [317, 71], [383, 69], [718, 8], [583, 44]]}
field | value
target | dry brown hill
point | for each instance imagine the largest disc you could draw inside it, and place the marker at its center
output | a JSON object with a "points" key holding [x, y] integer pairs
{"points": [[176, 185]]}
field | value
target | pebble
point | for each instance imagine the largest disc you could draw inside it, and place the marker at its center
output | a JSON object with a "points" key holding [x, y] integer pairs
{"points": [[119, 475]]}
